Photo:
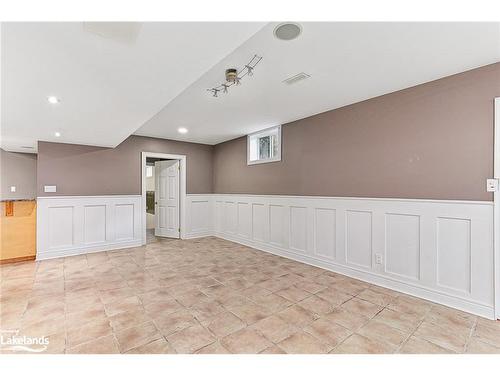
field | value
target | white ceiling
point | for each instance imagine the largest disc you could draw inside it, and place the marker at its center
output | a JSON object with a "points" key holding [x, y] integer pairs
{"points": [[348, 63], [152, 79], [111, 78]]}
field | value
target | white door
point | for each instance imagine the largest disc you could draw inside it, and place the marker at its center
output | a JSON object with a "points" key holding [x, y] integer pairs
{"points": [[167, 198]]}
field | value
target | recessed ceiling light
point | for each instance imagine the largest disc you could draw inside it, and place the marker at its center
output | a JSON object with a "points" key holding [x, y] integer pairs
{"points": [[182, 130], [287, 31], [53, 99], [57, 134]]}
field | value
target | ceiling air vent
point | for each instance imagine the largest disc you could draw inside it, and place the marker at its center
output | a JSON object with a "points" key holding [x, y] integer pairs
{"points": [[296, 78]]}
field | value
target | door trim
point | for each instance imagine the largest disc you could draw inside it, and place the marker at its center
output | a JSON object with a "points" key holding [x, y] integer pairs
{"points": [[182, 189], [496, 215]]}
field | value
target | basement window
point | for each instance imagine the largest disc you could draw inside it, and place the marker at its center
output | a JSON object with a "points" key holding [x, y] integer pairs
{"points": [[264, 146]]}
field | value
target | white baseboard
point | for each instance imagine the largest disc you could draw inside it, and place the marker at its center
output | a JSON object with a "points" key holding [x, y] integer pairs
{"points": [[88, 249]]}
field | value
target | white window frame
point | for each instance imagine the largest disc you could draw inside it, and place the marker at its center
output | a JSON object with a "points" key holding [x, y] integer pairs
{"points": [[261, 133]]}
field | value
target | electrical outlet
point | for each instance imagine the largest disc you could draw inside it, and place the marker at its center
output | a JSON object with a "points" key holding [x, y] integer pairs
{"points": [[492, 185], [378, 258], [12, 189]]}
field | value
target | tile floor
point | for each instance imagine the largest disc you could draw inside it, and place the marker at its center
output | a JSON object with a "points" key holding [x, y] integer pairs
{"points": [[214, 296]]}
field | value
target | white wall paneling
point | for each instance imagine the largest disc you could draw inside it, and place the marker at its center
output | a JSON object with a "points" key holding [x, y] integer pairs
{"points": [[79, 225], [438, 250], [199, 216]]}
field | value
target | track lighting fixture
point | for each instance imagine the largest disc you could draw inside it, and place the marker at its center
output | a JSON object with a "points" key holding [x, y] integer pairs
{"points": [[233, 76]]}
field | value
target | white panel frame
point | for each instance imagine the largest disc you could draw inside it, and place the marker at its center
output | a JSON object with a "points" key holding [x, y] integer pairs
{"points": [[496, 199], [182, 190]]}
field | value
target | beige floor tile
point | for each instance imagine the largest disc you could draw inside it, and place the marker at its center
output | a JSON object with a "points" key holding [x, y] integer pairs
{"points": [[191, 298], [410, 305], [488, 333], [361, 307], [130, 319], [304, 343], [357, 344], [137, 336], [206, 310], [347, 319], [383, 332], [316, 305], [334, 296], [103, 345], [446, 339], [376, 297], [43, 328], [250, 312], [401, 321], [475, 346], [191, 339], [160, 346], [123, 305], [297, 316], [165, 307], [246, 341], [272, 302], [310, 286], [416, 345], [293, 293], [88, 332], [158, 295], [328, 332], [274, 328], [214, 348], [275, 349], [57, 344], [224, 324], [54, 311], [85, 317], [175, 322]]}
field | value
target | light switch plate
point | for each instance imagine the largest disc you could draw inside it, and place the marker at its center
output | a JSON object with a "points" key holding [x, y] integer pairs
{"points": [[12, 189], [50, 188], [492, 184]]}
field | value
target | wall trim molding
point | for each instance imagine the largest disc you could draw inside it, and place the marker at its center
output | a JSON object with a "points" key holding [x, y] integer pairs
{"points": [[414, 200]]}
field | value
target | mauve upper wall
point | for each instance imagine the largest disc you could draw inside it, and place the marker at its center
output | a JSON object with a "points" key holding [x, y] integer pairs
{"points": [[432, 141], [89, 170]]}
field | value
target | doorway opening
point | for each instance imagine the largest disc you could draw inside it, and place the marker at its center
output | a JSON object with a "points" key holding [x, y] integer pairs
{"points": [[163, 196]]}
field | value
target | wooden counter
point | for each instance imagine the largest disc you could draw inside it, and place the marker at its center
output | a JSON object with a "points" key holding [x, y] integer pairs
{"points": [[18, 232]]}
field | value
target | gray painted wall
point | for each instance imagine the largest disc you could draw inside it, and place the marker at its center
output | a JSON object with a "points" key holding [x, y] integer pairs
{"points": [[430, 141], [88, 170], [19, 170]]}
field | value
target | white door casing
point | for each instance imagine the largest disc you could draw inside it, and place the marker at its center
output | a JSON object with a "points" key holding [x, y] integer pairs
{"points": [[496, 198], [167, 198]]}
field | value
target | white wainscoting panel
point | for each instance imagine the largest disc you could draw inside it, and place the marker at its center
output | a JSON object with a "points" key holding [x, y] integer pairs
{"points": [[78, 225], [199, 216], [438, 250]]}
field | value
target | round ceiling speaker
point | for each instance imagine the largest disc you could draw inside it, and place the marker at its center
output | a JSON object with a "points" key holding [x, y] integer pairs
{"points": [[287, 31]]}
